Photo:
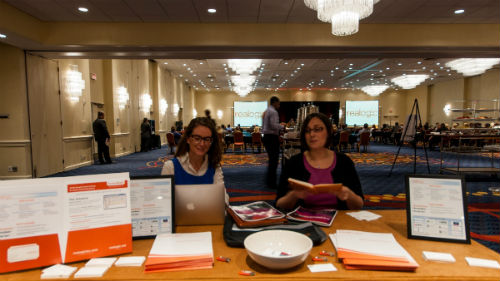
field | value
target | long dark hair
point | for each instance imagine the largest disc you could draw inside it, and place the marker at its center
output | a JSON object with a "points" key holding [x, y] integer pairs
{"points": [[214, 152], [325, 121]]}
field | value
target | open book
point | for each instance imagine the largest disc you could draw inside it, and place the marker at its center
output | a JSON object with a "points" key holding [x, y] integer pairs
{"points": [[256, 214], [322, 217], [314, 188]]}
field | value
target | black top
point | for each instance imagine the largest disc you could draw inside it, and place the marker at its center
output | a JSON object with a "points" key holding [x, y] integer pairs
{"points": [[344, 173], [145, 130], [100, 130]]}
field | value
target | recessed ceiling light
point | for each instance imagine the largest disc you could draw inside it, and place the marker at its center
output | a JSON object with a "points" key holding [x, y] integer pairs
{"points": [[459, 11], [83, 9], [286, 62], [400, 64], [212, 10], [201, 62], [2, 36], [165, 63]]}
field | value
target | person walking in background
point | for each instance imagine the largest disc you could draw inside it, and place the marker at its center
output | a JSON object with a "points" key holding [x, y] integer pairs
{"points": [[207, 115], [271, 129], [101, 136], [145, 135]]}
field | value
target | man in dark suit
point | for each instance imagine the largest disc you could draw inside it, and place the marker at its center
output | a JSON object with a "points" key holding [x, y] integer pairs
{"points": [[101, 136]]}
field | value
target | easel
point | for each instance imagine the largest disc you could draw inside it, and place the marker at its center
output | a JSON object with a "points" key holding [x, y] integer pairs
{"points": [[418, 123]]}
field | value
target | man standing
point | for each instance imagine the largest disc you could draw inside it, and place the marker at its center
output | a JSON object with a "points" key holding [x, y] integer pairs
{"points": [[145, 135], [101, 136], [271, 129]]}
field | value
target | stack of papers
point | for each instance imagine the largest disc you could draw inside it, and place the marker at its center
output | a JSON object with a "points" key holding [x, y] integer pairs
{"points": [[371, 251], [100, 262], [130, 261], [439, 257], [482, 262], [57, 271], [364, 215], [180, 251], [91, 271]]}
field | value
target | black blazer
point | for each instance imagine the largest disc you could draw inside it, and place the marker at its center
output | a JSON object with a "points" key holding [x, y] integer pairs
{"points": [[100, 130], [344, 172]]}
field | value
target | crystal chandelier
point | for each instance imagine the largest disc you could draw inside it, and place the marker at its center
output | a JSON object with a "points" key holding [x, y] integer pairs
{"points": [[374, 90], [471, 67], [344, 15], [145, 102], [244, 67], [123, 97], [409, 81], [74, 83]]}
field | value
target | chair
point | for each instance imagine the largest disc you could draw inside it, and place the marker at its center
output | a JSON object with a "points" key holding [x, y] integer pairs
{"points": [[171, 142], [221, 142], [238, 141], [256, 141], [364, 140], [344, 139]]}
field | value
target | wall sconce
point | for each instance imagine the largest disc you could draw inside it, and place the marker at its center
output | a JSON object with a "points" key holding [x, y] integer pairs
{"points": [[340, 113], [163, 106], [145, 103], [74, 83], [122, 97], [195, 113], [447, 109], [176, 109], [219, 114]]}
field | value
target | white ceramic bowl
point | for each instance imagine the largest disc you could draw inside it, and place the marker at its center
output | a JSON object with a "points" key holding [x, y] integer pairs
{"points": [[278, 249]]}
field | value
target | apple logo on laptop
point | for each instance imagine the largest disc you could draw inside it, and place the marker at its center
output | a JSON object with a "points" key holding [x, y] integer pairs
{"points": [[190, 206]]}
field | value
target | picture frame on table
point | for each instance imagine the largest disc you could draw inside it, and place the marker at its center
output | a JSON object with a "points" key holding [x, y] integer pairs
{"points": [[152, 201], [436, 208]]}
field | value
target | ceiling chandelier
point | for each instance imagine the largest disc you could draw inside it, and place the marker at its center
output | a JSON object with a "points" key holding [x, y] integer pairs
{"points": [[471, 67], [409, 81], [374, 90], [243, 84], [344, 15], [244, 67]]}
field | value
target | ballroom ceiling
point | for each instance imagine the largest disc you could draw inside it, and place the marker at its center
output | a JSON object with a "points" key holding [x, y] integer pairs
{"points": [[277, 73]]}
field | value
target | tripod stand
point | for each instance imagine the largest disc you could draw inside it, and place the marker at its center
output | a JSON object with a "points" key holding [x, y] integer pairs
{"points": [[414, 122]]}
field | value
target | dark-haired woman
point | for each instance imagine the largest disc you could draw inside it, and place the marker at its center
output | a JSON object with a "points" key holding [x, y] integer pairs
{"points": [[198, 156], [318, 164]]}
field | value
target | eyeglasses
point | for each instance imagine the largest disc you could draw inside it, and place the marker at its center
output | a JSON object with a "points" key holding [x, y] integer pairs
{"points": [[315, 129], [198, 139]]}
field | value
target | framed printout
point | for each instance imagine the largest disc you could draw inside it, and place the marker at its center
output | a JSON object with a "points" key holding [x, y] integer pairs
{"points": [[436, 208], [152, 205]]}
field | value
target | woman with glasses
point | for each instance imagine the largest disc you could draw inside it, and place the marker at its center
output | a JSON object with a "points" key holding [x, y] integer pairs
{"points": [[198, 156], [318, 164]]}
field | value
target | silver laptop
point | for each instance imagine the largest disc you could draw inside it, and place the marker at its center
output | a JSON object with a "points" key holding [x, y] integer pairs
{"points": [[199, 204]]}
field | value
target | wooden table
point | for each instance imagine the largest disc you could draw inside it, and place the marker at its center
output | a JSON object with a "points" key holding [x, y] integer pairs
{"points": [[393, 221]]}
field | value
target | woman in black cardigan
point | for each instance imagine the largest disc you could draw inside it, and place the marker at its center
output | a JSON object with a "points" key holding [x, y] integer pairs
{"points": [[318, 164]]}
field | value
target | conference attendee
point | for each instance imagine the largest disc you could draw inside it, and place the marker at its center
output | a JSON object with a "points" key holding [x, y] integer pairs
{"points": [[145, 135], [207, 115], [316, 165], [229, 129], [177, 135], [271, 128], [101, 136], [198, 156]]}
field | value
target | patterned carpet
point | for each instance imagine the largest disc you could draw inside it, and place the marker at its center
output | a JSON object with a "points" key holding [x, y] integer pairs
{"points": [[244, 175]]}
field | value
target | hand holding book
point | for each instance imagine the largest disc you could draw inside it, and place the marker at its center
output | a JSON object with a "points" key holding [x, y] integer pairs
{"points": [[332, 188]]}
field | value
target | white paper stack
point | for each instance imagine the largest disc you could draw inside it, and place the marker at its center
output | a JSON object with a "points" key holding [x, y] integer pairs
{"points": [[91, 271], [58, 271], [364, 215], [180, 251], [130, 261], [100, 262], [439, 257], [371, 251], [482, 262]]}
